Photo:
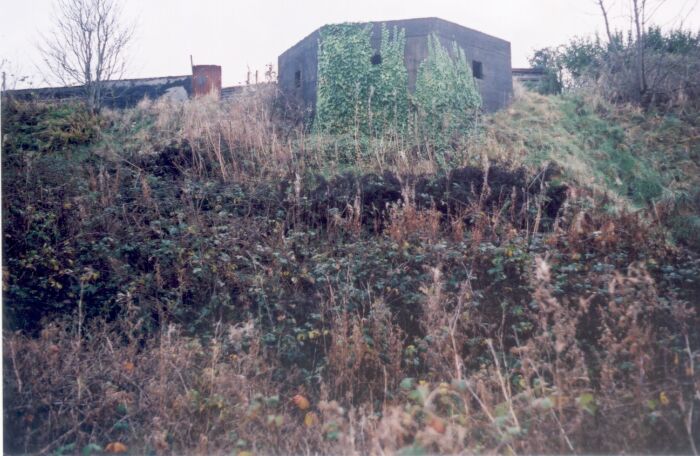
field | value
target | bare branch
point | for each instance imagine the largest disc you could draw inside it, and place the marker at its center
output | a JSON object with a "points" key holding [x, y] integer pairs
{"points": [[87, 46], [607, 22]]}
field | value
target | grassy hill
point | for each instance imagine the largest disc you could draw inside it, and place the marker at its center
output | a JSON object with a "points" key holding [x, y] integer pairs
{"points": [[213, 278], [638, 158]]}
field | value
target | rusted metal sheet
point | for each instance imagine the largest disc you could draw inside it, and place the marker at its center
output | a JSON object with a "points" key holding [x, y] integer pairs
{"points": [[206, 79]]}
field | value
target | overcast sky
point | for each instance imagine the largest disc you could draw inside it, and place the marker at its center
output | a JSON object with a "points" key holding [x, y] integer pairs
{"points": [[249, 34]]}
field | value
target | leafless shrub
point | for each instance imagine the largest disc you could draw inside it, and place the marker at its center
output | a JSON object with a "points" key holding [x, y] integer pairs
{"points": [[87, 46]]}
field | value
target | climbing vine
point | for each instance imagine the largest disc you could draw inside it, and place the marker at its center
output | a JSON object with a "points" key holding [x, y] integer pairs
{"points": [[446, 99], [360, 90], [389, 103], [364, 92], [344, 62]]}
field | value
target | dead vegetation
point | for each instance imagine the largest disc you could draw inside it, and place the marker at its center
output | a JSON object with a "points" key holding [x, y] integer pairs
{"points": [[204, 278], [594, 373]]}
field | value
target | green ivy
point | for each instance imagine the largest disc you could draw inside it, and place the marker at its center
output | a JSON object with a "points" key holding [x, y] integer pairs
{"points": [[355, 95], [370, 99], [389, 99], [447, 100], [344, 63]]}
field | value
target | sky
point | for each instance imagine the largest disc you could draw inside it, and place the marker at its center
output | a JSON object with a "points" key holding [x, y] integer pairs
{"points": [[242, 35]]}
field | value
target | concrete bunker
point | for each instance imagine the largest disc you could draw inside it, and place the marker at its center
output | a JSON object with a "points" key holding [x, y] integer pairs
{"points": [[490, 57]]}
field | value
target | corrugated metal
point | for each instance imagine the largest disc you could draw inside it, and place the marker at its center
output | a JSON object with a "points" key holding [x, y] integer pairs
{"points": [[206, 79]]}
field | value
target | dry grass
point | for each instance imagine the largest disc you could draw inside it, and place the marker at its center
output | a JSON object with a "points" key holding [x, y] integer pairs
{"points": [[253, 137], [176, 395], [611, 370], [594, 374]]}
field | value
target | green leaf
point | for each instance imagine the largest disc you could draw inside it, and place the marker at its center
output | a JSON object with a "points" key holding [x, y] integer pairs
{"points": [[121, 426], [65, 449], [407, 383], [513, 430], [587, 402], [419, 395], [273, 401], [91, 448], [543, 403], [501, 409], [333, 435], [413, 450]]}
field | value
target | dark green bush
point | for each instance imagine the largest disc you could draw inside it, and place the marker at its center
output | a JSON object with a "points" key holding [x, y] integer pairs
{"points": [[47, 127]]}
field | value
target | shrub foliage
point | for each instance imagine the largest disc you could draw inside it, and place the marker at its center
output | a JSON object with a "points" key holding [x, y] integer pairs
{"points": [[611, 69], [361, 91], [199, 277], [446, 98]]}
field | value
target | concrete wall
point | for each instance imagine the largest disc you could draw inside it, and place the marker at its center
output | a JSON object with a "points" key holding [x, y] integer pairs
{"points": [[116, 94], [529, 76], [496, 86], [301, 60]]}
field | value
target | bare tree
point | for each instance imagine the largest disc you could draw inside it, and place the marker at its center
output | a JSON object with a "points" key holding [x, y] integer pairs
{"points": [[87, 45], [640, 12], [604, 10]]}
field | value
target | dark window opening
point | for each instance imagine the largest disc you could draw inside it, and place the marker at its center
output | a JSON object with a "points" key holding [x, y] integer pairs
{"points": [[297, 79], [376, 59], [477, 69]]}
